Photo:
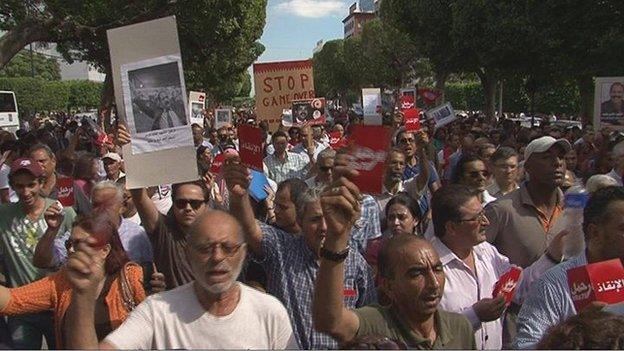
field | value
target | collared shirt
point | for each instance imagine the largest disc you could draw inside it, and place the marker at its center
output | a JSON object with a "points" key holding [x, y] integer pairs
{"points": [[453, 330], [133, 238], [414, 171], [464, 288], [291, 269], [294, 166], [516, 226], [318, 147], [368, 226], [495, 190], [613, 174], [549, 303], [411, 187]]}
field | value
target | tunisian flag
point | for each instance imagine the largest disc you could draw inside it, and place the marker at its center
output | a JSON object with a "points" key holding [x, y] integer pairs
{"points": [[428, 95]]}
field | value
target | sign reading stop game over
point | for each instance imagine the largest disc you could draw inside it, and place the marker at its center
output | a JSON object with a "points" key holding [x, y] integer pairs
{"points": [[277, 84]]}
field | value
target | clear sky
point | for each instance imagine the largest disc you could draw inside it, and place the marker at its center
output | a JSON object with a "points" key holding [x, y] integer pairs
{"points": [[294, 26]]}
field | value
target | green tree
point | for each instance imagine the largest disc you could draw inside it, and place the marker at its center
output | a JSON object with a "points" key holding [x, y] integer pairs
{"points": [[20, 66]]}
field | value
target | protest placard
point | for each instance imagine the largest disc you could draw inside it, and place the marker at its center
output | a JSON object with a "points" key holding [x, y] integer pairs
{"points": [[507, 283], [308, 112], [222, 117], [412, 119], [408, 98], [197, 103], [609, 103], [442, 115], [153, 46], [251, 153], [277, 84], [65, 190], [429, 96], [601, 281], [371, 106], [368, 149], [336, 141]]}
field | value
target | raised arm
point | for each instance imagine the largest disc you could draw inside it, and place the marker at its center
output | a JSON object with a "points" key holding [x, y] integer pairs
{"points": [[341, 207], [44, 251], [146, 208], [238, 178]]}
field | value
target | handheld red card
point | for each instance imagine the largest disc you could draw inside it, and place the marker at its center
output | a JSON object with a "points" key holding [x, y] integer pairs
{"points": [[65, 188], [217, 163], [601, 281], [250, 139], [368, 149], [412, 119], [507, 284], [336, 141]]}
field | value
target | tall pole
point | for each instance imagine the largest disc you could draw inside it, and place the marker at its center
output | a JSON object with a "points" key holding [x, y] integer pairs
{"points": [[500, 100], [32, 62]]}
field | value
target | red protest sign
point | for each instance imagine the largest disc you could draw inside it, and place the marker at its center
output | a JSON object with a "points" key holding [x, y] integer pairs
{"points": [[368, 152], [412, 119], [601, 281], [507, 283], [65, 189], [250, 140], [429, 95], [336, 141], [408, 101], [217, 163]]}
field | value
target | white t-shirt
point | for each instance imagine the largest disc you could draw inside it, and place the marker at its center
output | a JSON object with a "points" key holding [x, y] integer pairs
{"points": [[162, 198], [176, 320], [4, 182]]}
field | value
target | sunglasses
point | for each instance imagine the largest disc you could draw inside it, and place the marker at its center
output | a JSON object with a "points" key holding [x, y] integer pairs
{"points": [[182, 203], [476, 174], [325, 169]]}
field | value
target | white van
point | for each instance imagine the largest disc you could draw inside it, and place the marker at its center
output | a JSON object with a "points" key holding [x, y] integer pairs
{"points": [[9, 116]]}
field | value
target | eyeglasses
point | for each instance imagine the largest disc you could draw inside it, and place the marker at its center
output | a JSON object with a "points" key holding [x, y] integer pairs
{"points": [[476, 174], [406, 141], [195, 204], [228, 249], [479, 217], [70, 244]]}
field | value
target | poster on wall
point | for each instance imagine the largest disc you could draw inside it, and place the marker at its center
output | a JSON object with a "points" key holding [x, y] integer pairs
{"points": [[609, 103], [277, 84]]}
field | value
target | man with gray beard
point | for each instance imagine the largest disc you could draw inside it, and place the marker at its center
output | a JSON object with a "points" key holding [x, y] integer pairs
{"points": [[213, 312]]}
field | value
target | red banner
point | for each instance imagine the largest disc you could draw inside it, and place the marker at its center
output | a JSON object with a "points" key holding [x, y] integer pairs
{"points": [[412, 119], [507, 283], [368, 151], [65, 189], [217, 163], [430, 96], [250, 141], [602, 281], [336, 141]]}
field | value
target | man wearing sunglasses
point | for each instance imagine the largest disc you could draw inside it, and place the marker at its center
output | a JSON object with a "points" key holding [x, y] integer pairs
{"points": [[472, 266]]}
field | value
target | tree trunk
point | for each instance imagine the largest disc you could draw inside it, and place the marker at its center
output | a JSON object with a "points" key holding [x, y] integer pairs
{"points": [[488, 82], [440, 84], [107, 98], [586, 89], [17, 38]]}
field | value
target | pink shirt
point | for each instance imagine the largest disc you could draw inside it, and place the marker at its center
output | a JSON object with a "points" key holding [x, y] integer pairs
{"points": [[463, 288]]}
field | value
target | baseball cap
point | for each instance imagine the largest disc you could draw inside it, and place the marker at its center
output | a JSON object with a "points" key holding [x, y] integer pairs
{"points": [[26, 164], [113, 156], [543, 144]]}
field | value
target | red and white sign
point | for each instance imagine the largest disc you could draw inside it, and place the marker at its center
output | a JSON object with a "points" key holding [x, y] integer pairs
{"points": [[507, 284], [412, 119], [217, 163], [430, 96], [408, 99], [250, 140], [368, 151], [65, 188], [601, 281], [336, 141], [308, 112]]}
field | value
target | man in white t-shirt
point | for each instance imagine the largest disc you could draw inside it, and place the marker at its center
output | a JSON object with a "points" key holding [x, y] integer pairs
{"points": [[213, 312]]}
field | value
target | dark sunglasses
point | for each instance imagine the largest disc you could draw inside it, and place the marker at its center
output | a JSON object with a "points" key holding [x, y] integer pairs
{"points": [[476, 174], [325, 169], [182, 203]]}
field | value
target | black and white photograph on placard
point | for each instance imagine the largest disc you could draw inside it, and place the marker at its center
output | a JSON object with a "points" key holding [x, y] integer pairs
{"points": [[196, 110], [155, 103]]}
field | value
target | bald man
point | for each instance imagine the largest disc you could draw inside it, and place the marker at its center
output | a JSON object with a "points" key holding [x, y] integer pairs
{"points": [[213, 312]]}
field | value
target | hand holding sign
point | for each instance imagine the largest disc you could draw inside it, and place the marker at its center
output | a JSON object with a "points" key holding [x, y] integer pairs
{"points": [[250, 139], [602, 281], [489, 309], [368, 152], [506, 285]]}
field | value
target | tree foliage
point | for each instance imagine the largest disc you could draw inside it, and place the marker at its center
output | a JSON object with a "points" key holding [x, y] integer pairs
{"points": [[20, 66]]}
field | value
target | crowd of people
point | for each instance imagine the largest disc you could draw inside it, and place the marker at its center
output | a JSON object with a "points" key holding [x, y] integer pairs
{"points": [[317, 264]]}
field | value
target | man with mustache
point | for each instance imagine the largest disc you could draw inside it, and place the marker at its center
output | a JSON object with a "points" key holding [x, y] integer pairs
{"points": [[472, 266], [413, 278], [291, 261], [213, 312]]}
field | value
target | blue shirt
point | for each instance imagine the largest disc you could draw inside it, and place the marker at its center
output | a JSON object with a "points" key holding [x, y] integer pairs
{"points": [[291, 269], [413, 171], [548, 304], [133, 238]]}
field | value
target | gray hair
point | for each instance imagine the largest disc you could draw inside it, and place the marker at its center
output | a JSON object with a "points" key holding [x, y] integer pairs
{"points": [[44, 147], [309, 196], [599, 181], [106, 185], [326, 153]]}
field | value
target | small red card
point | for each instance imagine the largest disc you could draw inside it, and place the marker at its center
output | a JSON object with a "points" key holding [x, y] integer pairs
{"points": [[507, 284], [336, 141], [65, 189], [368, 151], [217, 163], [412, 119], [250, 139], [601, 281]]}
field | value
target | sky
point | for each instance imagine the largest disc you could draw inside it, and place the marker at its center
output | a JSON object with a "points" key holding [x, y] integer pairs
{"points": [[294, 26]]}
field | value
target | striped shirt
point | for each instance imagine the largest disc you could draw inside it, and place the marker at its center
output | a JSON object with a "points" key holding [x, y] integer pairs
{"points": [[548, 304], [291, 269], [368, 226], [294, 166]]}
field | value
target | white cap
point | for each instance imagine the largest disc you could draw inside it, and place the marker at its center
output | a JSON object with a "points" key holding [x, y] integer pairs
{"points": [[543, 144], [113, 156]]}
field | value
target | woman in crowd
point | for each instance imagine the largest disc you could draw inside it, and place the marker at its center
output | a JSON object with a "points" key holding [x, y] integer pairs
{"points": [[121, 287]]}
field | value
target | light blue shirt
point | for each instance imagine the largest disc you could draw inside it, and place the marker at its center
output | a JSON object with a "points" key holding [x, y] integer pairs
{"points": [[548, 304]]}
